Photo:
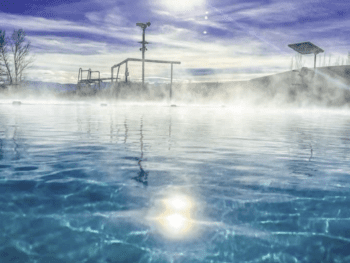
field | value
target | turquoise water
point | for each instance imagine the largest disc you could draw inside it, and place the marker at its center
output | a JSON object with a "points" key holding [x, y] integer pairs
{"points": [[140, 183]]}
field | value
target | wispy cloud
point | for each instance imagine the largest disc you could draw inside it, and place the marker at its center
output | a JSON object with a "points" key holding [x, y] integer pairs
{"points": [[39, 24], [232, 40], [67, 45]]}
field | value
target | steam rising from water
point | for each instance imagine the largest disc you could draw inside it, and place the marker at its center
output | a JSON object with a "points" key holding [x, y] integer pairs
{"points": [[323, 87]]}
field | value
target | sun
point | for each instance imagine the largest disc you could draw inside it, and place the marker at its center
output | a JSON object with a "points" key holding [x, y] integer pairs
{"points": [[181, 6]]}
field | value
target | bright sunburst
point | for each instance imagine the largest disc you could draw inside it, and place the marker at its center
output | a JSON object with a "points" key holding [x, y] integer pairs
{"points": [[182, 5]]}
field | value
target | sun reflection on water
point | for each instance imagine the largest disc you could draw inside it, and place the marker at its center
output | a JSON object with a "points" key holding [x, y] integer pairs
{"points": [[178, 203], [174, 216], [176, 222]]}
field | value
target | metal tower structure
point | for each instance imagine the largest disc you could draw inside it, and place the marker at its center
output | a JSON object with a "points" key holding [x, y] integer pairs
{"points": [[143, 49], [89, 81]]}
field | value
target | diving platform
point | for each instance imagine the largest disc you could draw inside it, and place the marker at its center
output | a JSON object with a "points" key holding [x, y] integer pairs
{"points": [[89, 80]]}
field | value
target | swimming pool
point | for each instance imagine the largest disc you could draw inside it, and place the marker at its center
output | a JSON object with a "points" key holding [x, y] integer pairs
{"points": [[94, 182]]}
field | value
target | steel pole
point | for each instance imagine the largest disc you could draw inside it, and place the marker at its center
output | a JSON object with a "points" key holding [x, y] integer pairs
{"points": [[171, 82], [126, 72], [143, 57], [112, 75], [315, 61]]}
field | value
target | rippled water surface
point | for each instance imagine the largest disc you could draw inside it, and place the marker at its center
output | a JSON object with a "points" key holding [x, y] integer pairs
{"points": [[110, 183]]}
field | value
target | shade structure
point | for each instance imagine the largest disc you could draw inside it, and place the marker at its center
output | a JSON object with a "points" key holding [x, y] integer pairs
{"points": [[306, 48]]}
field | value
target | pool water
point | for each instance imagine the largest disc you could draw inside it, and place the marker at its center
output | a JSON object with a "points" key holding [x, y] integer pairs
{"points": [[97, 182]]}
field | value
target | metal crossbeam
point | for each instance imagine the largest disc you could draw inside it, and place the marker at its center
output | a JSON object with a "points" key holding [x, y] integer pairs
{"points": [[146, 60]]}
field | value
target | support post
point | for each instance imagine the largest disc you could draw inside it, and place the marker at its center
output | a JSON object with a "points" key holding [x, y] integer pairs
{"points": [[80, 76], [80, 73], [171, 82], [126, 72], [315, 61], [99, 81], [112, 69]]}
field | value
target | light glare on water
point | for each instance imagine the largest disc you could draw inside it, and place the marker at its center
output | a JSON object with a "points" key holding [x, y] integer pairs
{"points": [[175, 216]]}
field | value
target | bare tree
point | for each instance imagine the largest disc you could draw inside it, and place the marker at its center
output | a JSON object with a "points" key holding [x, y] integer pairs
{"points": [[20, 50], [324, 60], [337, 61], [299, 62], [4, 56]]}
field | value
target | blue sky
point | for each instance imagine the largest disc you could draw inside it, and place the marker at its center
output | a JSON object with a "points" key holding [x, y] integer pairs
{"points": [[214, 40]]}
